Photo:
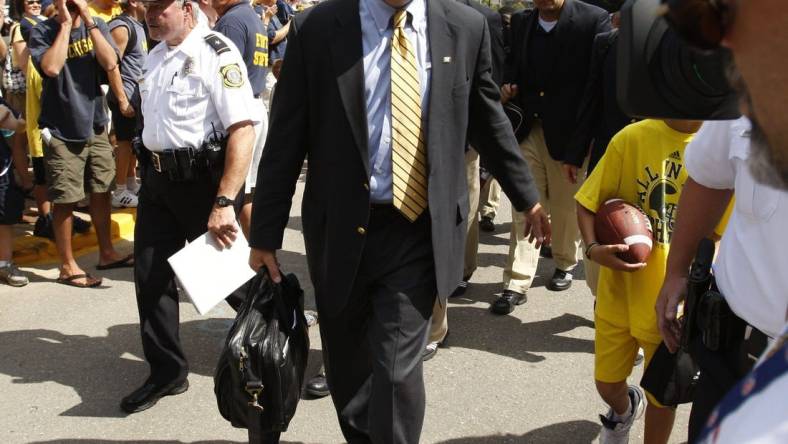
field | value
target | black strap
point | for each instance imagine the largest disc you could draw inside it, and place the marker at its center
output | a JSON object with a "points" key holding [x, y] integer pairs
{"points": [[215, 42]]}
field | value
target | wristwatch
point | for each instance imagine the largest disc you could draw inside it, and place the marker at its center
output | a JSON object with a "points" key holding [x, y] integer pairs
{"points": [[223, 201]]}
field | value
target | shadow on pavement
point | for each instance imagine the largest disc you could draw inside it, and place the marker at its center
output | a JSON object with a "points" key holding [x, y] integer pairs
{"points": [[144, 441], [475, 328], [103, 369], [565, 432]]}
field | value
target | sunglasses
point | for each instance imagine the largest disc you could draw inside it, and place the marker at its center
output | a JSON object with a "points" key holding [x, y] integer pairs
{"points": [[702, 23], [33, 2]]}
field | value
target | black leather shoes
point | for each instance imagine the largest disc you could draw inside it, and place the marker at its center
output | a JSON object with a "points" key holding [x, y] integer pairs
{"points": [[560, 281], [487, 225], [507, 301], [460, 290], [318, 386], [149, 394]]}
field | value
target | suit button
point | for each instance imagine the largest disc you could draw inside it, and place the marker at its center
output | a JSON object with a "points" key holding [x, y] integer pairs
{"points": [[361, 230], [366, 186], [541, 93]]}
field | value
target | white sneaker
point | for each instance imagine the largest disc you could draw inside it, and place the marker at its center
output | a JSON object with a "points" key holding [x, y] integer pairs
{"points": [[124, 199], [615, 432]]}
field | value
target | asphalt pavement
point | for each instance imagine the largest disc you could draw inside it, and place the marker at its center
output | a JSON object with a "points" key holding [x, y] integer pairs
{"points": [[68, 355]]}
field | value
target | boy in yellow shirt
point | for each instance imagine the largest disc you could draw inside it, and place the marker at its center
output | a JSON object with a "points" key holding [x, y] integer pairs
{"points": [[643, 165]]}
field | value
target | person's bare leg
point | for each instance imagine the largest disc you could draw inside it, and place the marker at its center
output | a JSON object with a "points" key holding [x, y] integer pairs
{"points": [[42, 201], [131, 171], [62, 223], [659, 424], [122, 162], [246, 219], [6, 248], [100, 214], [615, 394]]}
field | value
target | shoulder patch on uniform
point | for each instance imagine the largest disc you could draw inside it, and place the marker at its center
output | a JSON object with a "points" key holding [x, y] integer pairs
{"points": [[215, 42], [231, 76]]}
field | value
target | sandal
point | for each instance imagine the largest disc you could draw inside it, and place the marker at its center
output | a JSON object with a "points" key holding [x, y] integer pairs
{"points": [[127, 261], [90, 281]]}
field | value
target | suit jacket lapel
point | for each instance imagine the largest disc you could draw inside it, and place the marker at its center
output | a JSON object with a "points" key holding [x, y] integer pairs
{"points": [[443, 66], [348, 62]]}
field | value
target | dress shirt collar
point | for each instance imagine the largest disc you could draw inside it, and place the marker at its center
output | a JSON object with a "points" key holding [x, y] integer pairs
{"points": [[381, 12]]}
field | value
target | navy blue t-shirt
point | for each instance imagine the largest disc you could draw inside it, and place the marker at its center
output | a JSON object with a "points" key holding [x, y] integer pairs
{"points": [[284, 11], [71, 103], [275, 50], [241, 24], [26, 24]]}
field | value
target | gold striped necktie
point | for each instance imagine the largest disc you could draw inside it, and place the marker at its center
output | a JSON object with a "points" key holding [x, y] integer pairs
{"points": [[408, 152]]}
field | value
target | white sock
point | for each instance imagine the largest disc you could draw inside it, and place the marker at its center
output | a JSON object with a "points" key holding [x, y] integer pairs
{"points": [[623, 418], [120, 188]]}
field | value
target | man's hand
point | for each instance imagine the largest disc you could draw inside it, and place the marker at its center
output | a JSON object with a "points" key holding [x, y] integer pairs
{"points": [[222, 224], [270, 11], [125, 108], [537, 226], [606, 255], [673, 292], [570, 172], [84, 12], [63, 16], [508, 92], [259, 258]]}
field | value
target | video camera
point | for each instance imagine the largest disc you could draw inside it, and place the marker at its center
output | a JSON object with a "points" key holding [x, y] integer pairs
{"points": [[660, 76]]}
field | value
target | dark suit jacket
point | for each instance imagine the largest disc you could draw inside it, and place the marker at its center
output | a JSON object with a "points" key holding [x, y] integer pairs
{"points": [[575, 31], [319, 111], [495, 26], [599, 117]]}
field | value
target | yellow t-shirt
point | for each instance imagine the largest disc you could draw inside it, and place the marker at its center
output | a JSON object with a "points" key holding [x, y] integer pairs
{"points": [[105, 14], [643, 165], [33, 110]]}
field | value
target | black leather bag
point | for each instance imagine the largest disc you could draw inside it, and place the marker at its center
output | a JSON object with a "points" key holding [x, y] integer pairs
{"points": [[671, 377], [260, 372]]}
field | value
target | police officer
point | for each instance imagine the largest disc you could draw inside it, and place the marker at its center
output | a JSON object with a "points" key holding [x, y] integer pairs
{"points": [[198, 113]]}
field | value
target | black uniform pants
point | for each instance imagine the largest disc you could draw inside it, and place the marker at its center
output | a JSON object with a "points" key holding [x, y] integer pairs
{"points": [[169, 213], [373, 348], [719, 371]]}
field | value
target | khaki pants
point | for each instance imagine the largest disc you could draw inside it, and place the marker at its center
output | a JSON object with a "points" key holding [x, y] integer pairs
{"points": [[440, 324], [592, 273], [490, 198], [557, 196]]}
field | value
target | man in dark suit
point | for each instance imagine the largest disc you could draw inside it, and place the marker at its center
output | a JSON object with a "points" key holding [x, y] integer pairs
{"points": [[384, 230], [599, 119], [440, 323], [547, 70]]}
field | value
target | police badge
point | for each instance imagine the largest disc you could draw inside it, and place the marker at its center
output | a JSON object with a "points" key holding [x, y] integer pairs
{"points": [[231, 76]]}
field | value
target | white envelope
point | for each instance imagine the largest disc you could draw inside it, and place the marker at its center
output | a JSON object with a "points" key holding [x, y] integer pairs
{"points": [[209, 273]]}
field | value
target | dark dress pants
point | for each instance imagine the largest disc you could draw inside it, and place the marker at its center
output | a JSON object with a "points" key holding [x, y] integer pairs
{"points": [[373, 348], [169, 213]]}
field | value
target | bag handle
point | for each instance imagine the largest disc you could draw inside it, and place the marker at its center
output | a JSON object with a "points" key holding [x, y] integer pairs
{"points": [[278, 298]]}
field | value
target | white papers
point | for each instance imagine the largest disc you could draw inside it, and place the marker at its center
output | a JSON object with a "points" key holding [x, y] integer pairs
{"points": [[209, 273]]}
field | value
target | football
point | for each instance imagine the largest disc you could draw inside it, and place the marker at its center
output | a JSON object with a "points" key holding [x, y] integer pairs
{"points": [[618, 222]]}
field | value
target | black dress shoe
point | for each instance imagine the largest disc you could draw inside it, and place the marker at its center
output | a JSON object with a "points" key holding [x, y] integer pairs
{"points": [[318, 386], [149, 394], [560, 281], [487, 224], [507, 301]]}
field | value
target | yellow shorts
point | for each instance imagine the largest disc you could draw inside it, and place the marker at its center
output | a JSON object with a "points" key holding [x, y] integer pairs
{"points": [[614, 353]]}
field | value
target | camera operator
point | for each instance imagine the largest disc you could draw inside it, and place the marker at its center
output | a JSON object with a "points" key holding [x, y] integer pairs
{"points": [[729, 156]]}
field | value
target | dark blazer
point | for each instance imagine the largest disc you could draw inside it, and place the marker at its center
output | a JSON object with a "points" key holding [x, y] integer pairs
{"points": [[599, 117], [495, 26], [319, 111], [577, 25]]}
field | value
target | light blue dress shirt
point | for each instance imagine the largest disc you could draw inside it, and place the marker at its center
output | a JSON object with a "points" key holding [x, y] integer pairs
{"points": [[376, 32]]}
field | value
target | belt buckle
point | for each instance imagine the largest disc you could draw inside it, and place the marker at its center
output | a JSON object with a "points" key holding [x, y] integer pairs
{"points": [[156, 161]]}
